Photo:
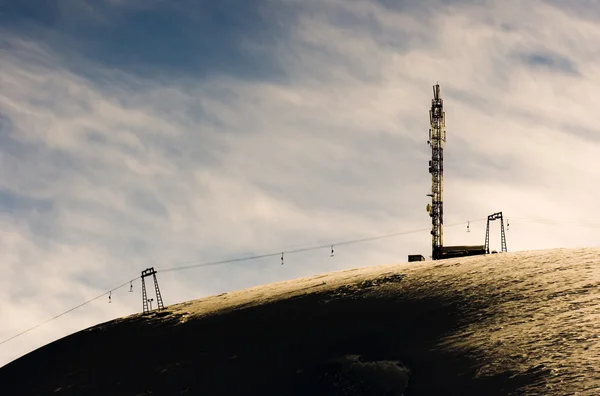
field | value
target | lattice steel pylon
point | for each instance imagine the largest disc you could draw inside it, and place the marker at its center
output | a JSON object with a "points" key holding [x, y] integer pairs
{"points": [[493, 217], [437, 137], [159, 301]]}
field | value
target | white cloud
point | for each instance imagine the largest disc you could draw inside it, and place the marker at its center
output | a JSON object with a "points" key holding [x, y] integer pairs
{"points": [[135, 172]]}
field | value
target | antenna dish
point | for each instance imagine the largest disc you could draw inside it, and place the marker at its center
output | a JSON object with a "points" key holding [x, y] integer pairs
{"points": [[428, 208]]}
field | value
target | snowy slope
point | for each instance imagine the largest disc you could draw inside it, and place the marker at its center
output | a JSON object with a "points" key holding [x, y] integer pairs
{"points": [[513, 323]]}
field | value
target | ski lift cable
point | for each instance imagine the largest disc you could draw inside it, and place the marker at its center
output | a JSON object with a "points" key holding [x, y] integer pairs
{"points": [[192, 265], [556, 222], [67, 311], [196, 265], [317, 247]]}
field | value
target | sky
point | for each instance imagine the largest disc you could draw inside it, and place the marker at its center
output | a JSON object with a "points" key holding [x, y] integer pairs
{"points": [[154, 133]]}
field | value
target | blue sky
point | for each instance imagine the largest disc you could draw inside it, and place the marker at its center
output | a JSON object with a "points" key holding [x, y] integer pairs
{"points": [[156, 133]]}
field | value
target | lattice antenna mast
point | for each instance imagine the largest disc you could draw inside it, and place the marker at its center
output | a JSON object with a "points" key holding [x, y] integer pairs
{"points": [[493, 217], [437, 137], [159, 301]]}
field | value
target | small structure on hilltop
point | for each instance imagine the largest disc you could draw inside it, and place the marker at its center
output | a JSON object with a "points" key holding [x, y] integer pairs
{"points": [[415, 257]]}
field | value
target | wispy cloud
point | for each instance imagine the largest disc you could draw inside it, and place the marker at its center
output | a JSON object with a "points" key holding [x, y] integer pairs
{"points": [[188, 131], [552, 62]]}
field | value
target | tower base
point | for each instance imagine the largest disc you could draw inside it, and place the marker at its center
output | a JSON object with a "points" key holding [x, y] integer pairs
{"points": [[446, 252]]}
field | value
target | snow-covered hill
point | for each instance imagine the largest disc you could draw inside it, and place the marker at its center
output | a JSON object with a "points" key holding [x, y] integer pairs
{"points": [[514, 323]]}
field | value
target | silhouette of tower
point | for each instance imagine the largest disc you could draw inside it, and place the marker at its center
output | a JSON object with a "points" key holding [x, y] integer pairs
{"points": [[437, 137], [159, 301], [493, 217]]}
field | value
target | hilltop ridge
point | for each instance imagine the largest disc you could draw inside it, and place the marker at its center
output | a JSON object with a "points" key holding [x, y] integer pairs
{"points": [[514, 323]]}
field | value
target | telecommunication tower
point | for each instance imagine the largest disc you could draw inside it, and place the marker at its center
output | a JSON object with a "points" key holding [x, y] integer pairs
{"points": [[145, 300], [437, 137]]}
